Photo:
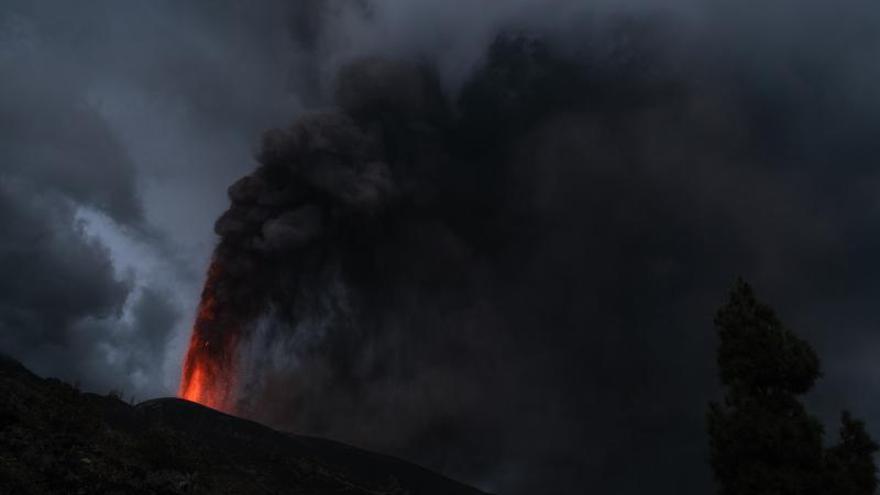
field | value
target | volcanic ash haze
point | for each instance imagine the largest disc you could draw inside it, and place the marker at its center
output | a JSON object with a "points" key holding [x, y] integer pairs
{"points": [[511, 282], [399, 270]]}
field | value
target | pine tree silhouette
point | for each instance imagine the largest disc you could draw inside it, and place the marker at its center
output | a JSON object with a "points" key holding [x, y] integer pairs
{"points": [[762, 440]]}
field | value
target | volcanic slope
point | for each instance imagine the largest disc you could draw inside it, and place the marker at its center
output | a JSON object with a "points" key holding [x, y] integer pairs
{"points": [[55, 439]]}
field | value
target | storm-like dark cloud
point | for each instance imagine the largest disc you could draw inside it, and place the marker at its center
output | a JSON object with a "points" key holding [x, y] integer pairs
{"points": [[121, 124], [46, 265]]}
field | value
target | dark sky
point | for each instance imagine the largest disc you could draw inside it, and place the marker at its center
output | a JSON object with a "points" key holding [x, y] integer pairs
{"points": [[600, 193]]}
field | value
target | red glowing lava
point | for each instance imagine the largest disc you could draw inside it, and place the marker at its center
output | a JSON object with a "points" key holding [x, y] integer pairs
{"points": [[209, 368]]}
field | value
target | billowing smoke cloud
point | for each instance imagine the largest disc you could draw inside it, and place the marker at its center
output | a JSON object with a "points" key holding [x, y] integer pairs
{"points": [[512, 279]]}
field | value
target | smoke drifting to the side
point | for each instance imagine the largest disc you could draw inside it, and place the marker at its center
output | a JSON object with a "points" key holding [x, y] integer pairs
{"points": [[513, 281]]}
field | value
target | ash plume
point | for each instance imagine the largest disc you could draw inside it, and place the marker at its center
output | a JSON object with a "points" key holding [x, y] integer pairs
{"points": [[512, 281]]}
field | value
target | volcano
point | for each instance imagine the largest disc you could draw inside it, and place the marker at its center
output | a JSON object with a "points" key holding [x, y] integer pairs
{"points": [[55, 439]]}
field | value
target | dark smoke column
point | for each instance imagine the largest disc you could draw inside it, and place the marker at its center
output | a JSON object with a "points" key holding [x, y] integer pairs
{"points": [[319, 183]]}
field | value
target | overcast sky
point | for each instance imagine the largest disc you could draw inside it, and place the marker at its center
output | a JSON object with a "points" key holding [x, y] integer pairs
{"points": [[122, 123]]}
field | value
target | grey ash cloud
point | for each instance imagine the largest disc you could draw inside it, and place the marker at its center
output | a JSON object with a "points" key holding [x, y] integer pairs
{"points": [[530, 309]]}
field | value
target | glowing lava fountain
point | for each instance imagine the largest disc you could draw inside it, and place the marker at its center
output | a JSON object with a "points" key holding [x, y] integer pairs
{"points": [[209, 368]]}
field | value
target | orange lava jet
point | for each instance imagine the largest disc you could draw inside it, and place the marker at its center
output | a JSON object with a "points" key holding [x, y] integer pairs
{"points": [[209, 368]]}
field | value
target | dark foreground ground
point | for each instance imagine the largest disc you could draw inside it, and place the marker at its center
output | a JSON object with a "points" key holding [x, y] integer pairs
{"points": [[56, 440]]}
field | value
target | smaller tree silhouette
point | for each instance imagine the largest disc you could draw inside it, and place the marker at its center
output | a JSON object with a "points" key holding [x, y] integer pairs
{"points": [[849, 465], [761, 439]]}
